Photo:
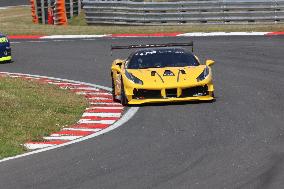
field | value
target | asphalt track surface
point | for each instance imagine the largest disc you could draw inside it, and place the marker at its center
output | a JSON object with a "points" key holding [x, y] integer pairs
{"points": [[235, 142], [4, 3]]}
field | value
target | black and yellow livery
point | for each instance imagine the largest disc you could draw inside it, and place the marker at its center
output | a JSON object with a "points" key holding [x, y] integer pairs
{"points": [[161, 73], [5, 49]]}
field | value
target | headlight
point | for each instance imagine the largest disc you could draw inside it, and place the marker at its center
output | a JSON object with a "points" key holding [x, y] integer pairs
{"points": [[3, 40], [203, 75], [133, 78]]}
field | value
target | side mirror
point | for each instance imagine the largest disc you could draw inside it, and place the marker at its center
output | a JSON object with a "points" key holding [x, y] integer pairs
{"points": [[116, 65], [209, 62]]}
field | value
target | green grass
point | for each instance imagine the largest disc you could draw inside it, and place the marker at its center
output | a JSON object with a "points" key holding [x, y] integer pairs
{"points": [[30, 110], [17, 21]]}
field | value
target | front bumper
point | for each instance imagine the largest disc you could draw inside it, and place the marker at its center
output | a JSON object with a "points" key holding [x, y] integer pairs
{"points": [[187, 99], [5, 58], [198, 91], [5, 54]]}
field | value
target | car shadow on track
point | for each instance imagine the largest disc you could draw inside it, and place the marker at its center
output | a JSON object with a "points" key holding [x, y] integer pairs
{"points": [[7, 62]]}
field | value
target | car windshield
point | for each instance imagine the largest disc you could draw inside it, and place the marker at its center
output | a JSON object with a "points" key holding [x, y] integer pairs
{"points": [[159, 58]]}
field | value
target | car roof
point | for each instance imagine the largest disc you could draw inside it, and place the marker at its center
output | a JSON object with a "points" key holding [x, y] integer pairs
{"points": [[146, 51]]}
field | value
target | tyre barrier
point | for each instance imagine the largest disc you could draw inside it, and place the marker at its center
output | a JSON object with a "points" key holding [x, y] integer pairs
{"points": [[34, 14], [55, 12], [60, 17]]}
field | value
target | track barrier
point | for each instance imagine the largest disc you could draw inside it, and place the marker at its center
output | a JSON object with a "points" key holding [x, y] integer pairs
{"points": [[60, 17], [55, 12], [34, 13], [128, 12]]}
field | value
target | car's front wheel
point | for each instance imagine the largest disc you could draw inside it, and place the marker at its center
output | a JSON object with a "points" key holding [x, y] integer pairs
{"points": [[123, 99], [113, 90]]}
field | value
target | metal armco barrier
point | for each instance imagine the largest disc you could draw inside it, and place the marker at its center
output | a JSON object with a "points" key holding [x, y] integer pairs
{"points": [[184, 12], [54, 11], [73, 7]]}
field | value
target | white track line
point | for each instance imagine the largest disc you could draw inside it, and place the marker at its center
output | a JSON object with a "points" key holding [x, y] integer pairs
{"points": [[89, 121], [54, 78], [102, 114], [91, 93], [99, 98], [105, 107], [31, 78], [14, 76], [87, 88], [37, 146], [81, 129], [100, 93], [64, 83], [201, 34], [62, 137], [72, 36], [104, 103], [125, 117]]}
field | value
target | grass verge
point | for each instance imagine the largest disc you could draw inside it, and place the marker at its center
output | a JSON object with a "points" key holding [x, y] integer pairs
{"points": [[17, 21], [30, 110]]}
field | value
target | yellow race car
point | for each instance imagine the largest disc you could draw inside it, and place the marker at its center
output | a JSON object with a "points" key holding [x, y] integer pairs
{"points": [[161, 73]]}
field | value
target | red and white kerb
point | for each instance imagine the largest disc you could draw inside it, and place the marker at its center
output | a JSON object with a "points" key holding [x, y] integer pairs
{"points": [[101, 113]]}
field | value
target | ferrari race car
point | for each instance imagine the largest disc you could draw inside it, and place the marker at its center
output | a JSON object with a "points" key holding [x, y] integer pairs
{"points": [[5, 49], [161, 73]]}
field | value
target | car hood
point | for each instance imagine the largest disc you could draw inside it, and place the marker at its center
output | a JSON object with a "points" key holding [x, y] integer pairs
{"points": [[168, 75]]}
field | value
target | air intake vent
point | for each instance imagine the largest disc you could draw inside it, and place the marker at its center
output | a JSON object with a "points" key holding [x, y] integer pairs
{"points": [[171, 93], [168, 73]]}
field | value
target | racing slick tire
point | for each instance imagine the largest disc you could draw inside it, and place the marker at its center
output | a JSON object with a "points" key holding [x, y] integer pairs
{"points": [[123, 99], [113, 90], [214, 99], [6, 62]]}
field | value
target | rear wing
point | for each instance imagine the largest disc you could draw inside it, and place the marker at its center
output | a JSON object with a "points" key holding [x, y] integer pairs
{"points": [[190, 44]]}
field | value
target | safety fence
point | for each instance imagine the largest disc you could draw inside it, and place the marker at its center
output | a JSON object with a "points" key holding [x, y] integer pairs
{"points": [[183, 12], [55, 12]]}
